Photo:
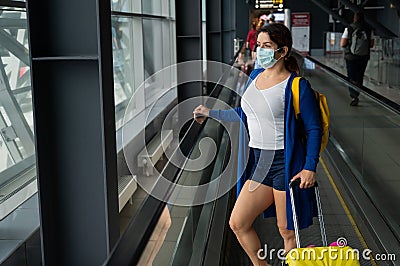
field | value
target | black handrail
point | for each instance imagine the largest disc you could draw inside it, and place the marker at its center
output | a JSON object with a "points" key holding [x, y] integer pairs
{"points": [[132, 243]]}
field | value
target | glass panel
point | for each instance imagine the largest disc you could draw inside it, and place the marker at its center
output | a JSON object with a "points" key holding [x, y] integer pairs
{"points": [[165, 8], [151, 7], [17, 150], [381, 161], [130, 6], [368, 139], [16, 116], [382, 68], [172, 8], [153, 49], [123, 58]]}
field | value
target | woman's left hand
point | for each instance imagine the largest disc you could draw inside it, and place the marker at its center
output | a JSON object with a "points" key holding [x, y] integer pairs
{"points": [[307, 178]]}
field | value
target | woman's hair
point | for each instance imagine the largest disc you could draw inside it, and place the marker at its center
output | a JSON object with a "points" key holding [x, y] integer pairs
{"points": [[359, 16], [280, 34]]}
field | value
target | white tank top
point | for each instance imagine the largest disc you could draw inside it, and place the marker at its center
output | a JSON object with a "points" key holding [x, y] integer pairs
{"points": [[265, 110]]}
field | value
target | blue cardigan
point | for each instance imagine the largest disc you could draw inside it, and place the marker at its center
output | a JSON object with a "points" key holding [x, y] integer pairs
{"points": [[297, 156]]}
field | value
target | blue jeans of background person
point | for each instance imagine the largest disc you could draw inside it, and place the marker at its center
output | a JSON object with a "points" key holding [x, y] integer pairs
{"points": [[355, 72]]}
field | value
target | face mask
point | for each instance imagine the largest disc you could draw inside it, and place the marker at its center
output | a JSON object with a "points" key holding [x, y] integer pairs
{"points": [[265, 57]]}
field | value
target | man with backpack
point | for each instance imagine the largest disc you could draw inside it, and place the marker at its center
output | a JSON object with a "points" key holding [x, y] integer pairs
{"points": [[357, 42]]}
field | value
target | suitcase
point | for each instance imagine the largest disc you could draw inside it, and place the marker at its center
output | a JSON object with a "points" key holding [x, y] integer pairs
{"points": [[318, 256]]}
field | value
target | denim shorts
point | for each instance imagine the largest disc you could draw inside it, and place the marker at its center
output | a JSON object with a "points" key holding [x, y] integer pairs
{"points": [[267, 167]]}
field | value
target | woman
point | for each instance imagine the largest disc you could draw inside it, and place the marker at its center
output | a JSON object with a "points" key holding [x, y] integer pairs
{"points": [[276, 154]]}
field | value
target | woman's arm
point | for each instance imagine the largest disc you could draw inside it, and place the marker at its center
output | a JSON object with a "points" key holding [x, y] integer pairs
{"points": [[230, 115], [343, 40], [310, 115]]}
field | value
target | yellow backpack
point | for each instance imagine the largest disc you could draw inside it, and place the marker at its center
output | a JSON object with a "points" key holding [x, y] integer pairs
{"points": [[323, 107]]}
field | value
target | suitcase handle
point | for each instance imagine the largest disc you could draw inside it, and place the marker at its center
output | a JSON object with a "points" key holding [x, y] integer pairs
{"points": [[297, 181], [292, 184]]}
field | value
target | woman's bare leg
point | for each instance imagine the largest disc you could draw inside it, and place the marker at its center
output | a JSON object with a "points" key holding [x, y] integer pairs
{"points": [[250, 203], [288, 236]]}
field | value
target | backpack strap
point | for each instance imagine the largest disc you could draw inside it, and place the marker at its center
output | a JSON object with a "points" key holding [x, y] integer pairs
{"points": [[350, 30], [296, 95]]}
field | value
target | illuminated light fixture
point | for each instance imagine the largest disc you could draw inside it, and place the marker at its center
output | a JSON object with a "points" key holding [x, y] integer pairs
{"points": [[280, 5], [257, 6]]}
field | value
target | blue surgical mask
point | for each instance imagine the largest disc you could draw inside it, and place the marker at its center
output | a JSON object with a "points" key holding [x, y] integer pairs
{"points": [[265, 57]]}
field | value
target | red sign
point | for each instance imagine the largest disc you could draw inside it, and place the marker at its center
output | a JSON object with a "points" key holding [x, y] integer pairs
{"points": [[300, 19]]}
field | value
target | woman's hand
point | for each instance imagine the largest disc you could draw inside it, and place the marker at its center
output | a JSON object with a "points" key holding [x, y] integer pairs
{"points": [[307, 178], [200, 113]]}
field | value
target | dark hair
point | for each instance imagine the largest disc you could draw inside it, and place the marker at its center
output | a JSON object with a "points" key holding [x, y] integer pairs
{"points": [[272, 17], [359, 16], [280, 34]]}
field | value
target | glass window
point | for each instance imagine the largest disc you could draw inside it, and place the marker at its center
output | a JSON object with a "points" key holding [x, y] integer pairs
{"points": [[151, 7], [130, 6], [16, 116], [165, 8], [172, 8], [138, 54], [153, 58], [17, 149], [123, 58]]}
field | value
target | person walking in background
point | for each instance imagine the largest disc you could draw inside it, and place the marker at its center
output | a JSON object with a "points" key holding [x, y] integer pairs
{"points": [[276, 152], [357, 41], [251, 40], [261, 21], [270, 20]]}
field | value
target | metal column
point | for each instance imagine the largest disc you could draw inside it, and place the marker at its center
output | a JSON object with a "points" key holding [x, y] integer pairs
{"points": [[228, 29], [189, 45], [214, 30], [73, 102]]}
